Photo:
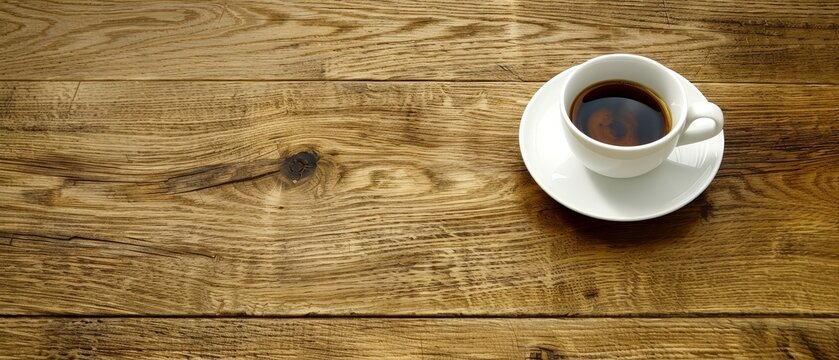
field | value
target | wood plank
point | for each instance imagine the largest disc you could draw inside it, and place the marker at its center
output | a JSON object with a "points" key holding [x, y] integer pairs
{"points": [[194, 198], [535, 339], [725, 41]]}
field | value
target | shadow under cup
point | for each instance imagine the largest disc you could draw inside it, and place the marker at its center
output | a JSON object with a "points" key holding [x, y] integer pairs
{"points": [[623, 161]]}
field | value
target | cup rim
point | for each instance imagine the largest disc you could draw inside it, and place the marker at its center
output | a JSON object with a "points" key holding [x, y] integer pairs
{"points": [[676, 126]]}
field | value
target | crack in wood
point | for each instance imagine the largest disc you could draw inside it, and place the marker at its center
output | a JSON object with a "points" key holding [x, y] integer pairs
{"points": [[511, 72], [138, 248], [223, 11], [70, 107], [293, 168], [223, 183], [666, 13]]}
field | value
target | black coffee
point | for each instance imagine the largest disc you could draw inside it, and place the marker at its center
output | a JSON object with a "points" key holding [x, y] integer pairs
{"points": [[620, 113]]}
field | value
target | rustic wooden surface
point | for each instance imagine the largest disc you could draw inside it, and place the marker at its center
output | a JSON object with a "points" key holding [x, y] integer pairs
{"points": [[531, 339], [342, 179], [506, 40]]}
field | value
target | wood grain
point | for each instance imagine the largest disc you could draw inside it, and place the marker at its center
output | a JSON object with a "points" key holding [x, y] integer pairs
{"points": [[294, 198], [531, 339], [501, 40]]}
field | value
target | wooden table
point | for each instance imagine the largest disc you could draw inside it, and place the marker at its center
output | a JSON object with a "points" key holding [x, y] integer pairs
{"points": [[342, 179]]}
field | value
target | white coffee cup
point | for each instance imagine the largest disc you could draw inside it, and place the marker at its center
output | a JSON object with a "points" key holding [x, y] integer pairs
{"points": [[629, 161]]}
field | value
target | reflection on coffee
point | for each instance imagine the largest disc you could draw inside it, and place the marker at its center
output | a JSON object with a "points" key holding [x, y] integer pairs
{"points": [[622, 113]]}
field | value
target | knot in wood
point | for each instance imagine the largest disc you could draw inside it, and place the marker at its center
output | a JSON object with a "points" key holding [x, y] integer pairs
{"points": [[299, 166]]}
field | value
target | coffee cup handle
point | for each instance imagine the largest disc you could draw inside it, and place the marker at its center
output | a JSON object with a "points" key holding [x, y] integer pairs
{"points": [[701, 110]]}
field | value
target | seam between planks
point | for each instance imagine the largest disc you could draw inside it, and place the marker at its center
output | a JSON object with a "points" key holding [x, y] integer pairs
{"points": [[390, 81], [441, 316]]}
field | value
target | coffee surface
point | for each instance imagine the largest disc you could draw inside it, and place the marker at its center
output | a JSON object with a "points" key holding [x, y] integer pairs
{"points": [[620, 113]]}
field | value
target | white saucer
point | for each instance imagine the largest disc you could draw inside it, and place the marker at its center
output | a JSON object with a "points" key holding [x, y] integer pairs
{"points": [[679, 180]]}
